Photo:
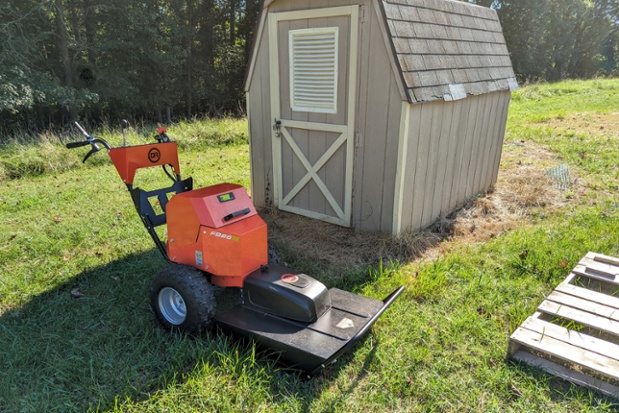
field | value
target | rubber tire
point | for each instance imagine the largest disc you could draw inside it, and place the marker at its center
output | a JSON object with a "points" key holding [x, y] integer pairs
{"points": [[273, 257], [197, 293]]}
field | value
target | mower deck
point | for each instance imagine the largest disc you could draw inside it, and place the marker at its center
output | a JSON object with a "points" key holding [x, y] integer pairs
{"points": [[309, 346]]}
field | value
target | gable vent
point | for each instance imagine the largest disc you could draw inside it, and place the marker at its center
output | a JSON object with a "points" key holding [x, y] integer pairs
{"points": [[313, 70]]}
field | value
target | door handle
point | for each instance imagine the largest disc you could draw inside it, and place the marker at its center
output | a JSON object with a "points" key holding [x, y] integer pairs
{"points": [[277, 127]]}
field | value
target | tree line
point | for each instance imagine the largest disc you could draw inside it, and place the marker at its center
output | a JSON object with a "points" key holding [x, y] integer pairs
{"points": [[551, 40], [158, 60]]}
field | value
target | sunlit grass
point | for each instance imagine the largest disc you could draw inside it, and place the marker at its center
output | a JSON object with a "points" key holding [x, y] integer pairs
{"points": [[70, 228]]}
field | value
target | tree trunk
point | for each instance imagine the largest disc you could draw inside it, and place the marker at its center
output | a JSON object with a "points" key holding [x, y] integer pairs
{"points": [[232, 22], [90, 23], [207, 36], [63, 47], [189, 86]]}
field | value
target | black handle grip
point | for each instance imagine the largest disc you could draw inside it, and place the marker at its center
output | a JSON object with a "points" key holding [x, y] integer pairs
{"points": [[236, 214], [79, 144]]}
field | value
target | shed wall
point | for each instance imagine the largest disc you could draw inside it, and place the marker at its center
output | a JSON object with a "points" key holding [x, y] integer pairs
{"points": [[260, 125], [451, 155], [379, 110]]}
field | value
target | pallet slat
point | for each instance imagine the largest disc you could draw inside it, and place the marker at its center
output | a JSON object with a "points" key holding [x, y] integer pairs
{"points": [[567, 374], [583, 305], [571, 337], [581, 317], [603, 258], [596, 275], [567, 352], [605, 299], [588, 360]]}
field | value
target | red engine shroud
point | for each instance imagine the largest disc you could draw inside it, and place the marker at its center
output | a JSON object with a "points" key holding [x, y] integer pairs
{"points": [[217, 229]]}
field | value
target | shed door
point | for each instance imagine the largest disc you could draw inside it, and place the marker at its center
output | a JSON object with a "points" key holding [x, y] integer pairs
{"points": [[313, 56]]}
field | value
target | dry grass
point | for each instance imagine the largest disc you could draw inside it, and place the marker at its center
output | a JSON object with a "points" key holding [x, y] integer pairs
{"points": [[522, 188], [591, 123]]}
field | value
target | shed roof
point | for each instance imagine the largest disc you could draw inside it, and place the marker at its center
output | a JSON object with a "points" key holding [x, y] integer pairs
{"points": [[442, 49], [448, 49]]}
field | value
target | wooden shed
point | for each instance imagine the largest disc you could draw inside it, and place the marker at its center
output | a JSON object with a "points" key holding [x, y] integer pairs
{"points": [[382, 115]]}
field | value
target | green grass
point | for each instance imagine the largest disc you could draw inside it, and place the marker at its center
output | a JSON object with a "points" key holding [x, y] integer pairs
{"points": [[536, 110], [441, 347]]}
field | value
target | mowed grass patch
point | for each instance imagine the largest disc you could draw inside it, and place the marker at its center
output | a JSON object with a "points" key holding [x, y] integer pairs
{"points": [[577, 120], [77, 333]]}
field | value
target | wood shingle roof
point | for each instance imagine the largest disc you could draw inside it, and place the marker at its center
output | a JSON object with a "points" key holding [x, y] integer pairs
{"points": [[448, 49]]}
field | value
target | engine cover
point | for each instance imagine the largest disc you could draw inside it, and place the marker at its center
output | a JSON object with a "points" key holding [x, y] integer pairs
{"points": [[285, 293]]}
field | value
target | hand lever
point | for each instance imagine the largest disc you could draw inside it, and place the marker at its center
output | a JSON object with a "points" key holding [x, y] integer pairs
{"points": [[95, 149], [236, 214]]}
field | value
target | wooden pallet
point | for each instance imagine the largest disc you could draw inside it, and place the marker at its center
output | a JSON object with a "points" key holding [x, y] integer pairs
{"points": [[575, 332]]}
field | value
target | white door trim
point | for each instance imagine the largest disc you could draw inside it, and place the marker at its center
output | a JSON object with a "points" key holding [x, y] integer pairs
{"points": [[346, 137]]}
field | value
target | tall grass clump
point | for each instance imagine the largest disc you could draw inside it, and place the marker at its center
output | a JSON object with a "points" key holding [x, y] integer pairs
{"points": [[207, 133], [38, 155], [29, 154]]}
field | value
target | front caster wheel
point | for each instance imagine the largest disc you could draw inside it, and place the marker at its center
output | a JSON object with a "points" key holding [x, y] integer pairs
{"points": [[182, 299]]}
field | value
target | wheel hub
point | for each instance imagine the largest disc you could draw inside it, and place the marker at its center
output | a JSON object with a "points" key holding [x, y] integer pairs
{"points": [[172, 306]]}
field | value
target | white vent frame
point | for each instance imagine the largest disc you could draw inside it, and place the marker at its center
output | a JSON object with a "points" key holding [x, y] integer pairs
{"points": [[307, 94]]}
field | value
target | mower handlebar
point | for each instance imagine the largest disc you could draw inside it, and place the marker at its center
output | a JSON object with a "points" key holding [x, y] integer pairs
{"points": [[89, 141]]}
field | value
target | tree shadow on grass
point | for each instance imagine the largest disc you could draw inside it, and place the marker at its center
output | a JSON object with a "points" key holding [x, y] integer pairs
{"points": [[93, 343], [85, 342]]}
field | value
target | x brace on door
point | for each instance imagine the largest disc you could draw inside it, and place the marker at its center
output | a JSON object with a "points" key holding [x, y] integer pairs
{"points": [[312, 170]]}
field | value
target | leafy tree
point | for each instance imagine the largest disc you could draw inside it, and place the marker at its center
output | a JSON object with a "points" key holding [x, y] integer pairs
{"points": [[157, 60], [555, 39], [30, 63]]}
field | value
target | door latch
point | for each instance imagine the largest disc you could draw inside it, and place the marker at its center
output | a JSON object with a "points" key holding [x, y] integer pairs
{"points": [[277, 127]]}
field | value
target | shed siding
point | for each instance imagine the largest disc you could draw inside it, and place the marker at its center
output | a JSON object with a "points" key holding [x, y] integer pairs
{"points": [[452, 155], [259, 104], [378, 127]]}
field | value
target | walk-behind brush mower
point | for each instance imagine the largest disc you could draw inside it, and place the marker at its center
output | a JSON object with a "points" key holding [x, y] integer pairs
{"points": [[216, 238]]}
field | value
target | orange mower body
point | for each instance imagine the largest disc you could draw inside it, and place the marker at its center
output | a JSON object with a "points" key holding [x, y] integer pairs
{"points": [[215, 229], [200, 236]]}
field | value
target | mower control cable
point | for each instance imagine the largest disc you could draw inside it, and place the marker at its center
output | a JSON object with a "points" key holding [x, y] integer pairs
{"points": [[89, 141]]}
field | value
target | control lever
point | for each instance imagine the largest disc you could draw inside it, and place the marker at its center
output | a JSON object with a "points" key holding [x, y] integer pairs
{"points": [[236, 214]]}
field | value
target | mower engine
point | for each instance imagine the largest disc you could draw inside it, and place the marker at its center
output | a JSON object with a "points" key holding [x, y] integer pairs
{"points": [[217, 229]]}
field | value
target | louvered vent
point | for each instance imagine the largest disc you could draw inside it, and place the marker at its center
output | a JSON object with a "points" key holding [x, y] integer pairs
{"points": [[313, 70]]}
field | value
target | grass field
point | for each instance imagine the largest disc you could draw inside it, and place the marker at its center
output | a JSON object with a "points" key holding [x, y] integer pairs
{"points": [[77, 333]]}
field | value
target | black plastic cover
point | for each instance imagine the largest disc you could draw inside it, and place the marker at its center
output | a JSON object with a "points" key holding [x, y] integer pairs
{"points": [[286, 293]]}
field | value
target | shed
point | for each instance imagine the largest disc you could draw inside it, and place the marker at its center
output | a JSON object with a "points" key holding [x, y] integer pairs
{"points": [[383, 115]]}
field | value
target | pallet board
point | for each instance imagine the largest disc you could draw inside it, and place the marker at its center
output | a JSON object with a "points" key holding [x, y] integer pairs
{"points": [[574, 334]]}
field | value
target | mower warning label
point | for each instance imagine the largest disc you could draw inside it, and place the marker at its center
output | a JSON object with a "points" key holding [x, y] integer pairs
{"points": [[199, 261], [345, 323]]}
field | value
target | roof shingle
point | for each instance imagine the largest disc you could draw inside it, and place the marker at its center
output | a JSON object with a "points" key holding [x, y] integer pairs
{"points": [[447, 47]]}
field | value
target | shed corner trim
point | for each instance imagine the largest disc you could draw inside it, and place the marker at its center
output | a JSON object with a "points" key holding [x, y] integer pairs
{"points": [[381, 14], [254, 47], [400, 184]]}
